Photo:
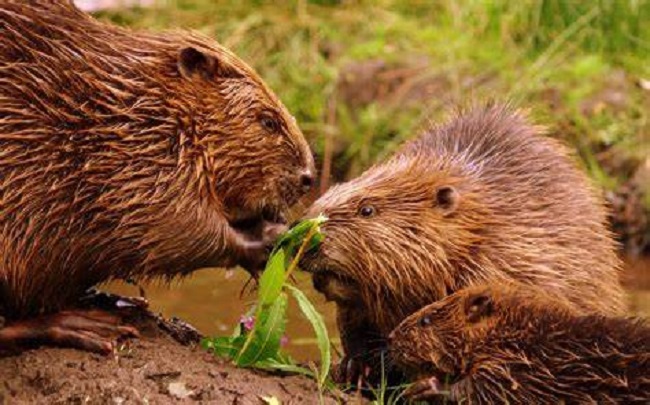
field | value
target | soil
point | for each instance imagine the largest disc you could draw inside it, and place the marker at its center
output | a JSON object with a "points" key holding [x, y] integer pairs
{"points": [[153, 369]]}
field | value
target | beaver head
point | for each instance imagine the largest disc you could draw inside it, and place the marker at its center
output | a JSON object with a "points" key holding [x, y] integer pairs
{"points": [[430, 341], [448, 338], [393, 234], [248, 145]]}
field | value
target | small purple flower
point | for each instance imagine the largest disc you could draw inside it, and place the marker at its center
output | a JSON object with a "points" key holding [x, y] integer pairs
{"points": [[247, 321], [284, 340]]}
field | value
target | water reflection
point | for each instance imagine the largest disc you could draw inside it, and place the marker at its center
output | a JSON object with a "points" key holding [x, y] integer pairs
{"points": [[210, 300]]}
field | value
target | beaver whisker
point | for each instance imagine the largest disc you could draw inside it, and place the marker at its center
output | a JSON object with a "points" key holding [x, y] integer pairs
{"points": [[379, 339]]}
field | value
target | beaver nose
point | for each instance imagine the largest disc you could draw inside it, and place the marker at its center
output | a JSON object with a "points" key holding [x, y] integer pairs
{"points": [[307, 181]]}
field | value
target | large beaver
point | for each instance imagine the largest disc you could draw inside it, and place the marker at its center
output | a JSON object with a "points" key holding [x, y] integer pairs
{"points": [[128, 155], [501, 344], [483, 197]]}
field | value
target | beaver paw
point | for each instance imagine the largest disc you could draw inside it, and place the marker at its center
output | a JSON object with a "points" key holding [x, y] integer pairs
{"points": [[351, 372], [91, 330], [253, 257], [255, 252], [423, 390]]}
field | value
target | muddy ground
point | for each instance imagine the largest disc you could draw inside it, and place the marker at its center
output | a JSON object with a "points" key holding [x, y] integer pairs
{"points": [[154, 369]]}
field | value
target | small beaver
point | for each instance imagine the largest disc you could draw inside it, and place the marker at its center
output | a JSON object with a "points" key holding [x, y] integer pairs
{"points": [[483, 197], [498, 344], [128, 155]]}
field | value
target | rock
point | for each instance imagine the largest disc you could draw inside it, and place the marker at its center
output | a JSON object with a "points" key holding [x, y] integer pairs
{"points": [[178, 390]]}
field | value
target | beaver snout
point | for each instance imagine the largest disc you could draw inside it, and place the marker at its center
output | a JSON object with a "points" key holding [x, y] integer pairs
{"points": [[397, 336], [294, 185], [309, 261], [335, 287], [320, 281], [307, 180]]}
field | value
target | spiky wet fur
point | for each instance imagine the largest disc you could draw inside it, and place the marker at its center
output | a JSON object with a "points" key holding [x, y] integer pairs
{"points": [[114, 165], [530, 348], [526, 212]]}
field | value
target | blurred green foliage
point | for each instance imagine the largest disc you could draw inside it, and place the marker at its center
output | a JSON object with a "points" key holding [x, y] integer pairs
{"points": [[581, 67]]}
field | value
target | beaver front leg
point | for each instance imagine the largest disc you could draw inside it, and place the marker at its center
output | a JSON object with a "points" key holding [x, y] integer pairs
{"points": [[356, 336], [94, 325], [88, 329], [427, 389], [366, 364]]}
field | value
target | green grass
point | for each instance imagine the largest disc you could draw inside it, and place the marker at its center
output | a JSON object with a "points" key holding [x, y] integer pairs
{"points": [[576, 64]]}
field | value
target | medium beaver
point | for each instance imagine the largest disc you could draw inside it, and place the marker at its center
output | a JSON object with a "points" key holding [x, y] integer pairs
{"points": [[509, 344], [128, 155], [482, 197]]}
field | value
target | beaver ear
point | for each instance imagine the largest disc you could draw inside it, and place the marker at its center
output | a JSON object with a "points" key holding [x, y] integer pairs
{"points": [[447, 199], [478, 307], [194, 63]]}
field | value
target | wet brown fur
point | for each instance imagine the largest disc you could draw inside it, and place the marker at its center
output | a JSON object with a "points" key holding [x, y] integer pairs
{"points": [[522, 210], [117, 161], [512, 344]]}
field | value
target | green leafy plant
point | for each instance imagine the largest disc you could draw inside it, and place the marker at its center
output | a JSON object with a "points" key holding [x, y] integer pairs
{"points": [[256, 341]]}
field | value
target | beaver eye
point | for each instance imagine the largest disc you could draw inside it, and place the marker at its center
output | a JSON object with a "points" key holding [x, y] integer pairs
{"points": [[425, 321], [270, 124], [367, 211]]}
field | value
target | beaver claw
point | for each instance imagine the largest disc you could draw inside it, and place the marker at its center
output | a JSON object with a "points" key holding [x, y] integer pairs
{"points": [[422, 390], [91, 330]]}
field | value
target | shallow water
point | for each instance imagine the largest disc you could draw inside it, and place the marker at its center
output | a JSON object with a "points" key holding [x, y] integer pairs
{"points": [[211, 300]]}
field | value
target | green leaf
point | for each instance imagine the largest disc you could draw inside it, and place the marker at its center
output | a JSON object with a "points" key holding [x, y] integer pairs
{"points": [[315, 241], [226, 346], [272, 279], [282, 365], [320, 329], [263, 342], [291, 239], [294, 234]]}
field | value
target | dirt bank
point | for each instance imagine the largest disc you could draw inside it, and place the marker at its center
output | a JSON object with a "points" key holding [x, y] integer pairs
{"points": [[154, 369]]}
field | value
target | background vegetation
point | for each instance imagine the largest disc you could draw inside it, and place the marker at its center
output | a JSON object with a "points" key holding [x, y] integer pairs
{"points": [[361, 76]]}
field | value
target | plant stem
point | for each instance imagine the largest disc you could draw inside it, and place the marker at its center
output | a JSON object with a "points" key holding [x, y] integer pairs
{"points": [[301, 250]]}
